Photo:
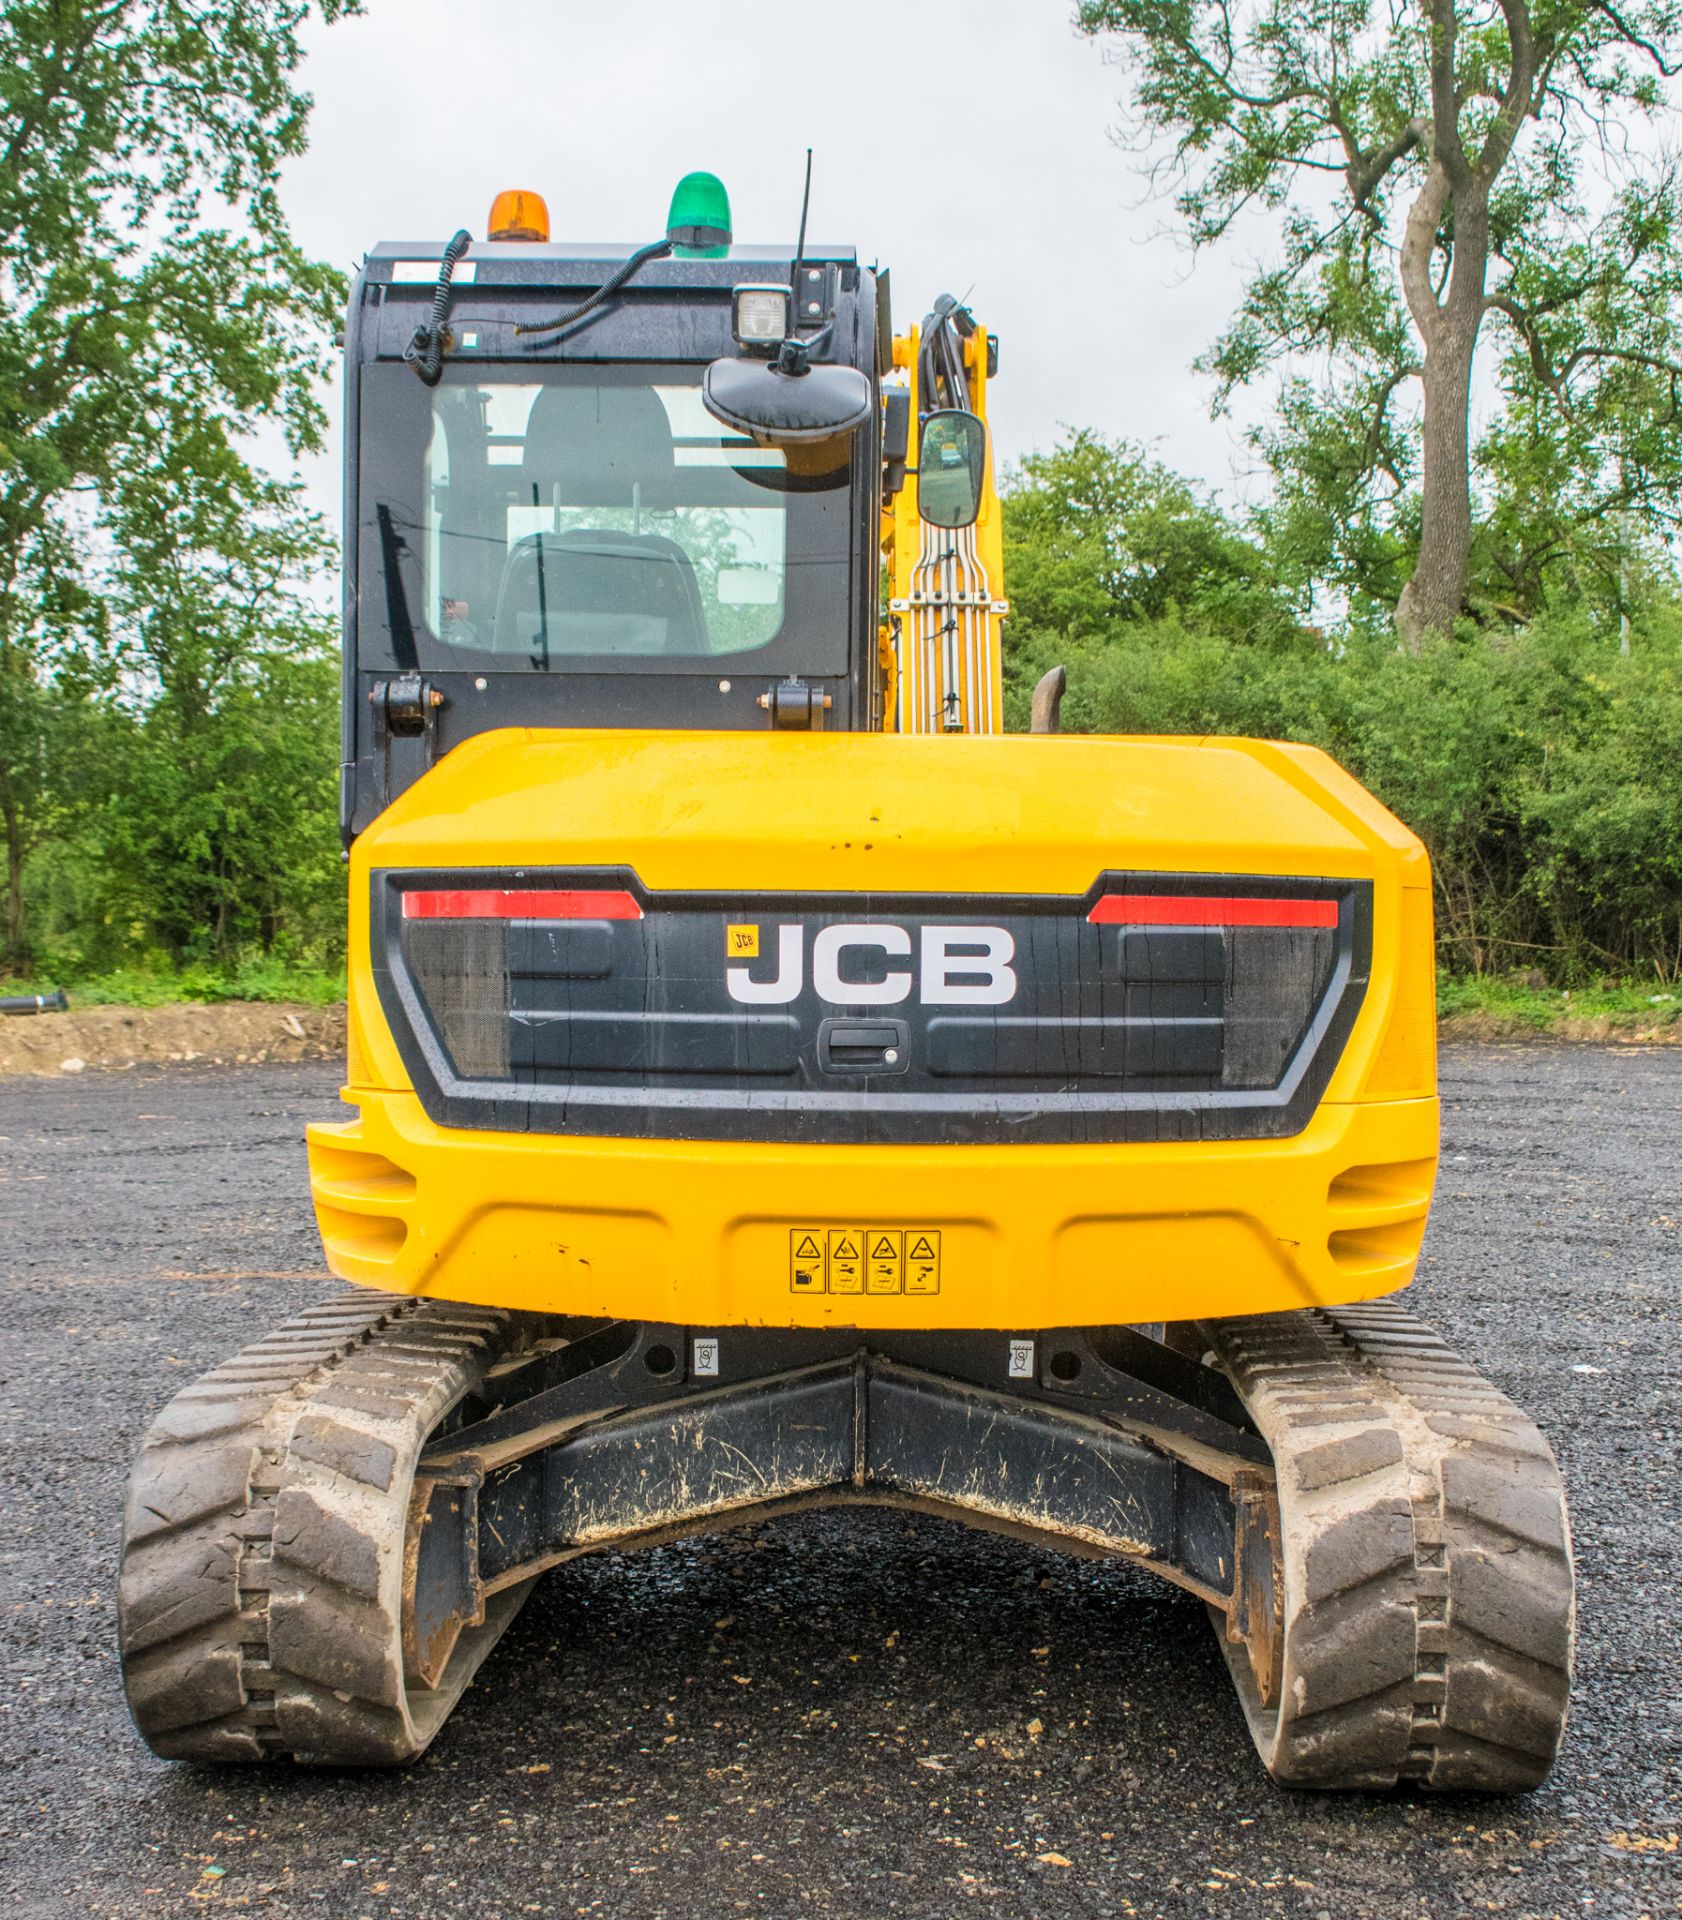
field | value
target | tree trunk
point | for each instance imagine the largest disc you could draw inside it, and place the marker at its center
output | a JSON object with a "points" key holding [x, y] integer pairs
{"points": [[12, 949], [1434, 596], [1453, 199]]}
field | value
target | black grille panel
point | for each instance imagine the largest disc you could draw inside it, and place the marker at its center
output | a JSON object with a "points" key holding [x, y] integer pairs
{"points": [[831, 1018]]}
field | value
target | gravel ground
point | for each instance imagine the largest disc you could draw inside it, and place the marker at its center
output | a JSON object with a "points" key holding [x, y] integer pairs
{"points": [[855, 1715]]}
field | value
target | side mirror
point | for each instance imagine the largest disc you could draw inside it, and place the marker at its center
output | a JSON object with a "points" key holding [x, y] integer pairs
{"points": [[778, 409], [951, 468]]}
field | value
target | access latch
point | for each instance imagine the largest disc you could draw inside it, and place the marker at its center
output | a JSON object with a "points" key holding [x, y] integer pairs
{"points": [[794, 707]]}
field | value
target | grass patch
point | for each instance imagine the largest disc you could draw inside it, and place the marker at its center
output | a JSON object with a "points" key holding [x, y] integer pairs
{"points": [[1646, 1005], [264, 980]]}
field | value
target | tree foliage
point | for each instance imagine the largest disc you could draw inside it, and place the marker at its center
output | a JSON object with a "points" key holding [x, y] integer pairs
{"points": [[154, 310], [1541, 767], [1437, 170], [1104, 533], [221, 836]]}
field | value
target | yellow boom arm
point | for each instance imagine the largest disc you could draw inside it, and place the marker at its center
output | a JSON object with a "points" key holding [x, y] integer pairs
{"points": [[940, 636]]}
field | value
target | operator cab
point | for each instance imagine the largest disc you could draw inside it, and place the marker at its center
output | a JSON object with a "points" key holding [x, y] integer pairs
{"points": [[558, 525]]}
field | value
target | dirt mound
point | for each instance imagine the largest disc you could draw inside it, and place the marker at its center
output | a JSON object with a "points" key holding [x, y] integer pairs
{"points": [[234, 1033]]}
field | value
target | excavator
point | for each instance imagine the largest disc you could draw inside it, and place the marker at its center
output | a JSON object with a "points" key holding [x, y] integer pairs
{"points": [[773, 1085]]}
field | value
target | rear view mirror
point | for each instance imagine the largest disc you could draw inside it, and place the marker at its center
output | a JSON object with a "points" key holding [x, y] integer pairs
{"points": [[755, 397], [951, 468]]}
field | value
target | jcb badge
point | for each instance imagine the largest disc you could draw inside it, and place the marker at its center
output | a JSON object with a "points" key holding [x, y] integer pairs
{"points": [[956, 967]]}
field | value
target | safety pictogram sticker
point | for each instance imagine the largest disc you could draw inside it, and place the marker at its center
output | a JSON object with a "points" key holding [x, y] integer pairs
{"points": [[825, 1259], [846, 1260], [805, 1261], [922, 1263], [886, 1273]]}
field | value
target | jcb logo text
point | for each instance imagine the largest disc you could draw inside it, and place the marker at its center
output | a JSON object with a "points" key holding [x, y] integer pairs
{"points": [[956, 967]]}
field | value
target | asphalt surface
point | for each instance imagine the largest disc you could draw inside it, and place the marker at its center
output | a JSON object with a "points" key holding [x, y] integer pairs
{"points": [[843, 1714]]}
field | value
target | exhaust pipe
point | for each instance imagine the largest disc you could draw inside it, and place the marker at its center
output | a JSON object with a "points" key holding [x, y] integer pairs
{"points": [[1048, 702]]}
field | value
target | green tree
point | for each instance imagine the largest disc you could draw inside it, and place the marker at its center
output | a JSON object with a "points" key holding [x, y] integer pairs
{"points": [[45, 723], [1167, 616], [231, 794], [146, 272], [1099, 532], [222, 835], [1426, 163]]}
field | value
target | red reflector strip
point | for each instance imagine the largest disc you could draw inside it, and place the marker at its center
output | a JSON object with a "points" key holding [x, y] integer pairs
{"points": [[515, 903], [1165, 910]]}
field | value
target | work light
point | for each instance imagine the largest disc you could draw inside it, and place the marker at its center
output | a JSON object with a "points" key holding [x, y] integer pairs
{"points": [[759, 316]]}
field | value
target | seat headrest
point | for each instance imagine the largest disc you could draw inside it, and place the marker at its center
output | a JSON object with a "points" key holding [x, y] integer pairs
{"points": [[593, 444]]}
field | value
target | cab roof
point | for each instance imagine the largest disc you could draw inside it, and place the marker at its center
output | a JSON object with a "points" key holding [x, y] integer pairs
{"points": [[570, 263]]}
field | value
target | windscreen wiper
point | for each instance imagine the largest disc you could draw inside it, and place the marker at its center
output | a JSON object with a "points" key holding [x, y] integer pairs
{"points": [[397, 616], [541, 657]]}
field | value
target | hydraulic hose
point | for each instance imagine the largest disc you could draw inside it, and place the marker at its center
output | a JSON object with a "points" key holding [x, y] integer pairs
{"points": [[941, 379]]}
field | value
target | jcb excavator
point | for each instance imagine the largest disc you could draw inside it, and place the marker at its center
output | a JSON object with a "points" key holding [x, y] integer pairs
{"points": [[774, 1085]]}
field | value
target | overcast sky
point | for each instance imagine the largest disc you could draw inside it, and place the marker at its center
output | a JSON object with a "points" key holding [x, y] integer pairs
{"points": [[966, 144]]}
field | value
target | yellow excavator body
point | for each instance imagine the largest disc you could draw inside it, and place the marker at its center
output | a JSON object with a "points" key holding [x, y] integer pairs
{"points": [[773, 1085], [1028, 1235]]}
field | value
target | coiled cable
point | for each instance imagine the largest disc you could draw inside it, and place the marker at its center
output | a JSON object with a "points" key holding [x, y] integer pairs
{"points": [[425, 351]]}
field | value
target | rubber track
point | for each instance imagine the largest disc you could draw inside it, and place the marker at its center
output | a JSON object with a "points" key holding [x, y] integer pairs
{"points": [[259, 1602], [1428, 1610]]}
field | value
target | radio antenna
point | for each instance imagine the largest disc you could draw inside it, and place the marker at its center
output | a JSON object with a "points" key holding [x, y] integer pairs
{"points": [[800, 244]]}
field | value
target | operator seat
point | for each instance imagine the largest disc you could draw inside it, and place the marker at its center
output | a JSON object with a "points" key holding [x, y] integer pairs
{"points": [[594, 591], [600, 590]]}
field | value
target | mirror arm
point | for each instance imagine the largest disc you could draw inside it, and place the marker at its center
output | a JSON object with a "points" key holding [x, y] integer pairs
{"points": [[795, 356]]}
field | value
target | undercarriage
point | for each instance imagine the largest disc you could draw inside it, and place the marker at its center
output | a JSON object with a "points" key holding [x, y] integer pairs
{"points": [[327, 1533]]}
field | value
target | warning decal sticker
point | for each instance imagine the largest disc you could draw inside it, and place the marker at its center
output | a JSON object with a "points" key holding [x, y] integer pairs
{"points": [[846, 1260], [886, 1262], [825, 1259], [922, 1263], [805, 1263]]}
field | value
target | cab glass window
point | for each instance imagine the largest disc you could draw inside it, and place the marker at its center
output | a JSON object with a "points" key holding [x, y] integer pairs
{"points": [[591, 518]]}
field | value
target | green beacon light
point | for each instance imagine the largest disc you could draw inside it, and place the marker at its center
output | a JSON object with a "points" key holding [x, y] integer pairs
{"points": [[698, 225]]}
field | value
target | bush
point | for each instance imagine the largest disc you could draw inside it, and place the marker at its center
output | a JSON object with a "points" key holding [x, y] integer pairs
{"points": [[1541, 767], [201, 842]]}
